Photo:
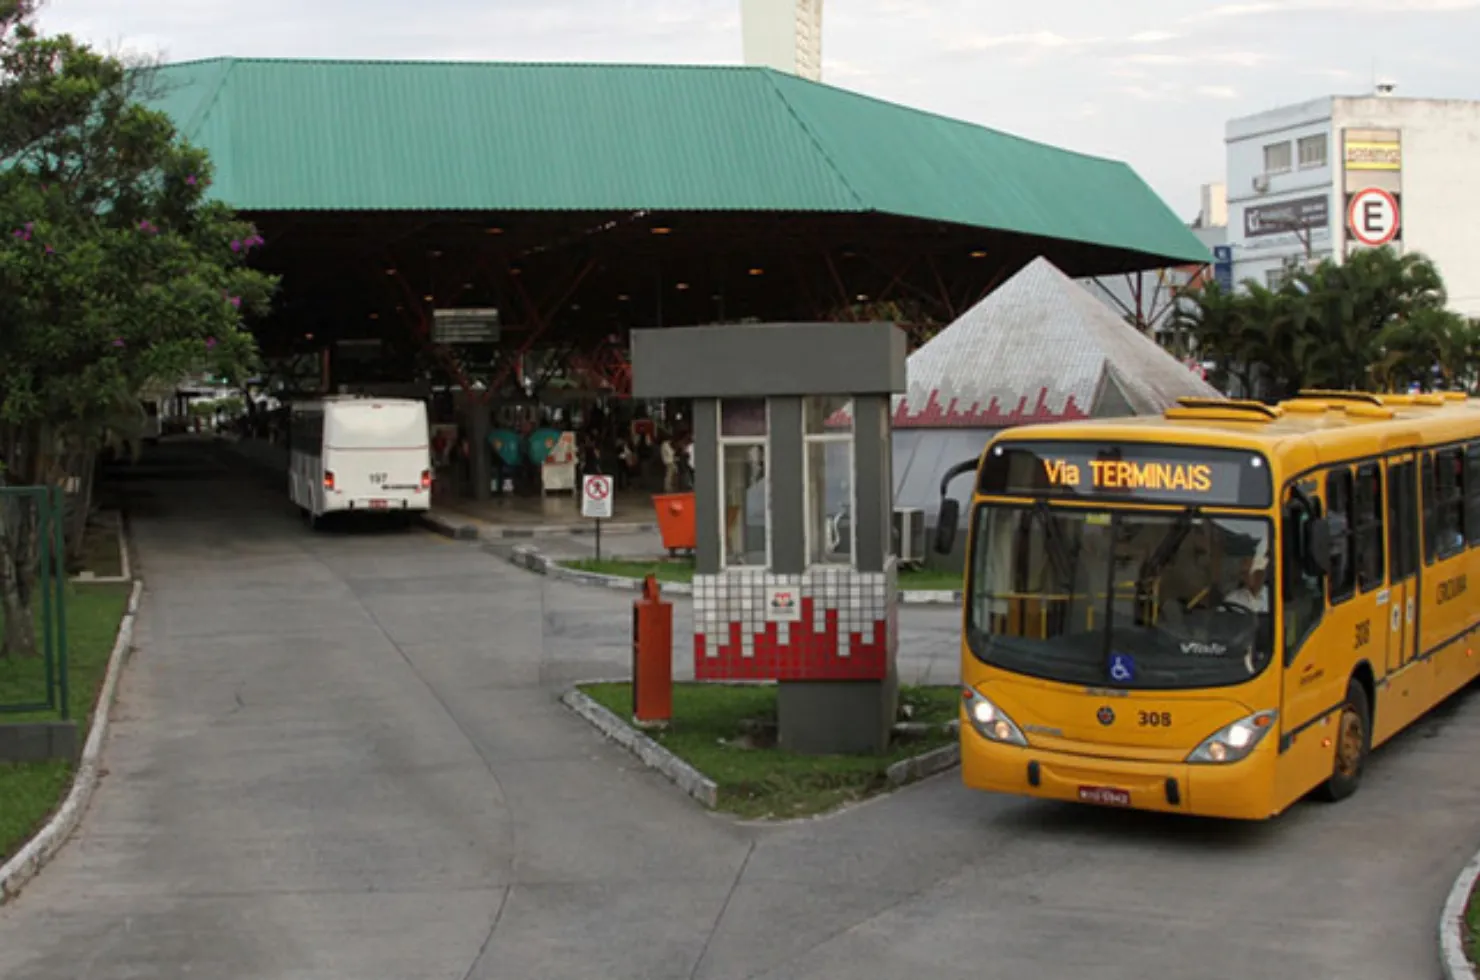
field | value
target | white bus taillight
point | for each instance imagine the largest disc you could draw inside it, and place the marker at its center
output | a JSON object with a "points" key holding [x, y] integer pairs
{"points": [[328, 479], [426, 479]]}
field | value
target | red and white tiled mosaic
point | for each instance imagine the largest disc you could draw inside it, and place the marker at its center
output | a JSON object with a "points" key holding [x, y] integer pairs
{"points": [[848, 628]]}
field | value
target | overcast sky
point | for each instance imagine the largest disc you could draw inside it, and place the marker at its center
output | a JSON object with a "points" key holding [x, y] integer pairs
{"points": [[1150, 82]]}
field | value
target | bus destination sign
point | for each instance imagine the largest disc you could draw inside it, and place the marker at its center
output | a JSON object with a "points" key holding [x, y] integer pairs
{"points": [[1120, 474], [1145, 473]]}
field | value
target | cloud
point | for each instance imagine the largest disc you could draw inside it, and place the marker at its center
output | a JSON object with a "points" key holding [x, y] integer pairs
{"points": [[1238, 10], [1217, 91], [1161, 60], [1227, 10], [1153, 37], [1236, 59], [900, 9], [835, 70], [1144, 93], [1042, 40]]}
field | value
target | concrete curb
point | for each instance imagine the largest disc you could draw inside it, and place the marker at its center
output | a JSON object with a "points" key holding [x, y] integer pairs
{"points": [[683, 775], [532, 559], [438, 524], [1451, 924], [916, 768], [701, 787], [125, 566], [467, 529], [50, 839]]}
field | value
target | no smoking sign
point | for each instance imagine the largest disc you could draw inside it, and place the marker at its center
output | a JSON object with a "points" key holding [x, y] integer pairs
{"points": [[1373, 217]]}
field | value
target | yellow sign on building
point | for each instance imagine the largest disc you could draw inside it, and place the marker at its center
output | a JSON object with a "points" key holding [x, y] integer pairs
{"points": [[1374, 155]]}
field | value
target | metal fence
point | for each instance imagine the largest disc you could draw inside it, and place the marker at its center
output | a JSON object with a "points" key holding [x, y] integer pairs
{"points": [[33, 545]]}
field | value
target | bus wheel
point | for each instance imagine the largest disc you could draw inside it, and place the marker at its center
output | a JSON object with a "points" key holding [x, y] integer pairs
{"points": [[1353, 741]]}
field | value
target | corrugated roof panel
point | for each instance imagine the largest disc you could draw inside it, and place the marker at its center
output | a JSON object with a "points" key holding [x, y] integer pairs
{"points": [[428, 136], [1038, 349], [936, 167], [347, 135]]}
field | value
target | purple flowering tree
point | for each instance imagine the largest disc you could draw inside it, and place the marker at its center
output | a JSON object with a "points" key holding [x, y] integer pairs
{"points": [[117, 271]]}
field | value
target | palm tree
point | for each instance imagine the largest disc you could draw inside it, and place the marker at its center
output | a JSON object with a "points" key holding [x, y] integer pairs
{"points": [[1378, 319]]}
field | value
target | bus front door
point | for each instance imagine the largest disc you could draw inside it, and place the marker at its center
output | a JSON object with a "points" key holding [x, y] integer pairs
{"points": [[1402, 534]]}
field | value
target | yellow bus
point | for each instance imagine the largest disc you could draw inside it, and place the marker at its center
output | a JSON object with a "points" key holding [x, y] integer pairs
{"points": [[1220, 609]]}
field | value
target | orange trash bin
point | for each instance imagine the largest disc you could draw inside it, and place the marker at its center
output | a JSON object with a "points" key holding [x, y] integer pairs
{"points": [[675, 520]]}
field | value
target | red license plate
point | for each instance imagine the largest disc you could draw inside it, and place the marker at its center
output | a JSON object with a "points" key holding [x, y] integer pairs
{"points": [[379, 504], [1104, 795]]}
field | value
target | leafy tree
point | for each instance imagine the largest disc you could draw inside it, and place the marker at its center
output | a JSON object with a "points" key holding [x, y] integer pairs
{"points": [[115, 271], [1377, 321]]}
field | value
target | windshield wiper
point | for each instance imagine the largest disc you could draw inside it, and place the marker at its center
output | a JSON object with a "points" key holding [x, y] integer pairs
{"points": [[1058, 557], [1167, 548]]}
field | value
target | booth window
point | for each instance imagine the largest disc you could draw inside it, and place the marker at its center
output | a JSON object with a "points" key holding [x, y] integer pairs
{"points": [[746, 511], [827, 436]]}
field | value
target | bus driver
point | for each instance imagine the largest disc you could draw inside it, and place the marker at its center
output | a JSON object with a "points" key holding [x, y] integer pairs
{"points": [[1250, 593]]}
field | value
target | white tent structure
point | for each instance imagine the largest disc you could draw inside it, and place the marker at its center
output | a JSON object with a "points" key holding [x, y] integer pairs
{"points": [[1040, 348]]}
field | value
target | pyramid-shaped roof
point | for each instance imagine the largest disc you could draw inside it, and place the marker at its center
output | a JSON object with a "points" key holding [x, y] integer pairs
{"points": [[1040, 349]]}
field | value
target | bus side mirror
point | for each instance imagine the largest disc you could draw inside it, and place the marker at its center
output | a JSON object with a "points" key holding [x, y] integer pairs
{"points": [[945, 526], [1316, 547]]}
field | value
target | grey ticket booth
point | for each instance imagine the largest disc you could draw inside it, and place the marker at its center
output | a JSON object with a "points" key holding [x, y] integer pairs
{"points": [[794, 579]]}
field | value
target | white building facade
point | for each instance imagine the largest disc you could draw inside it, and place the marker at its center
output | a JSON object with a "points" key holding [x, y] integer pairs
{"points": [[1323, 178], [783, 34]]}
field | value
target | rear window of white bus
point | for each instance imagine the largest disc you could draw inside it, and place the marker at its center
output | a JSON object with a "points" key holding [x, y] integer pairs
{"points": [[389, 426]]}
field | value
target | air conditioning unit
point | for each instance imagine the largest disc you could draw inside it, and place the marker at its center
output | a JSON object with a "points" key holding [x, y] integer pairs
{"points": [[908, 528]]}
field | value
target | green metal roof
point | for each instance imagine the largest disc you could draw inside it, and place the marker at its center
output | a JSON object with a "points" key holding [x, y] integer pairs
{"points": [[456, 136]]}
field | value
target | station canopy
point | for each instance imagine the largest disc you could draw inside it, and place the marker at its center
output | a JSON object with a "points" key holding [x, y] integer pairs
{"points": [[616, 196]]}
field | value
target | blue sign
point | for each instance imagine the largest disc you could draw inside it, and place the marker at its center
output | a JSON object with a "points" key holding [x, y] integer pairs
{"points": [[1223, 267], [1122, 668]]}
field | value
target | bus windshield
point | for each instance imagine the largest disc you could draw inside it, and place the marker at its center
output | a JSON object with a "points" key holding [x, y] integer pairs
{"points": [[1121, 598]]}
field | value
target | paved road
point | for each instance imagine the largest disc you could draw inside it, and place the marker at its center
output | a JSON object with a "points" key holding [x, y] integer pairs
{"points": [[340, 756]]}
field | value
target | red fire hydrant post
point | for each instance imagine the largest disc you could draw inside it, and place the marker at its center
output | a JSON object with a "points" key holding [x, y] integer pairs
{"points": [[652, 657]]}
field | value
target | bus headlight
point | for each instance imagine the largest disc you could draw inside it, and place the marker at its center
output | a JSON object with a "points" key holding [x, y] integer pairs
{"points": [[990, 721], [1232, 742]]}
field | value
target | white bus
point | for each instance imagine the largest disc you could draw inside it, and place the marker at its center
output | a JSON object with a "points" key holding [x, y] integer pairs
{"points": [[352, 453]]}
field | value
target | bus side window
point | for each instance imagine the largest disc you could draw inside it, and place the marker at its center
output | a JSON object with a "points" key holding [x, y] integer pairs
{"points": [[1472, 491], [1430, 511], [1368, 520], [1449, 502], [1341, 582], [1403, 529]]}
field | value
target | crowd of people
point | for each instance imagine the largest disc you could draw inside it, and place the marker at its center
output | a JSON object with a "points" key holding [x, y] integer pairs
{"points": [[638, 455]]}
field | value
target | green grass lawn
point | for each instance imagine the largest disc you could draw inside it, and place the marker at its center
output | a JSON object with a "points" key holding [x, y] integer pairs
{"points": [[29, 793], [715, 730], [682, 570]]}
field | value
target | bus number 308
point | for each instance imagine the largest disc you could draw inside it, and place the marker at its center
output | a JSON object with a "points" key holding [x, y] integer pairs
{"points": [[1156, 719]]}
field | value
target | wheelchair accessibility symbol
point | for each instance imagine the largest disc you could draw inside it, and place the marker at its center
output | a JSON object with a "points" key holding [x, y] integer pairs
{"points": [[1122, 668]]}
